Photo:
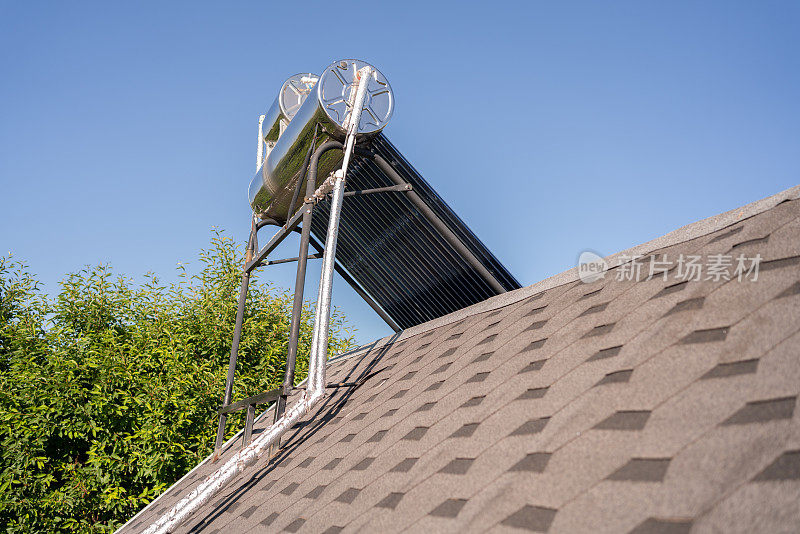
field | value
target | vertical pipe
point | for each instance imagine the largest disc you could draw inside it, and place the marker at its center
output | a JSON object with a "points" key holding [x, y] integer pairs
{"points": [[319, 342], [299, 287], [260, 151]]}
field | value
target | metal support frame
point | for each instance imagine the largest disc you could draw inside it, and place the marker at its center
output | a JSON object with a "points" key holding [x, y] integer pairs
{"points": [[400, 188], [316, 386], [237, 333], [290, 260], [255, 400], [360, 291], [257, 257], [299, 287]]}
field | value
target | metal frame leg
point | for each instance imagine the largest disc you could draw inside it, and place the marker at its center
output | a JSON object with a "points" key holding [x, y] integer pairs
{"points": [[297, 310], [237, 334], [248, 424]]}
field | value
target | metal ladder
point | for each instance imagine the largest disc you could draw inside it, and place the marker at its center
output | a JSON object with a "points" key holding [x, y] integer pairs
{"points": [[256, 257]]}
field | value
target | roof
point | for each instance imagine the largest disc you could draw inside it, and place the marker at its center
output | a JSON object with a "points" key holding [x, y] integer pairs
{"points": [[616, 406]]}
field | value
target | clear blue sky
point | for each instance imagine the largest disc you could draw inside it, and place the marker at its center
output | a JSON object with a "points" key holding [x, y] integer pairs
{"points": [[127, 130]]}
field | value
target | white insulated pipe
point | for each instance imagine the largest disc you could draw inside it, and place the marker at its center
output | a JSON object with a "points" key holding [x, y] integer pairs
{"points": [[315, 390], [319, 341], [260, 150]]}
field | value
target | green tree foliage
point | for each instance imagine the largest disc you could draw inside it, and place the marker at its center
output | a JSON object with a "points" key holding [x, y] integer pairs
{"points": [[109, 391]]}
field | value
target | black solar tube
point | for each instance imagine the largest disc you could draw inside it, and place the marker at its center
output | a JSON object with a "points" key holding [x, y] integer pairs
{"points": [[397, 255], [412, 253], [409, 296], [429, 249], [381, 292], [388, 151], [399, 269], [417, 280], [423, 288], [417, 254], [487, 277], [367, 214], [434, 239]]}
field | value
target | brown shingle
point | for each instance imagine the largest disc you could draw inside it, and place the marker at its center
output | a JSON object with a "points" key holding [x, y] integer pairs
{"points": [[458, 466], [687, 305], [642, 470], [405, 465], [391, 501], [630, 420], [533, 393], [465, 431], [474, 401], [724, 370], [706, 336], [600, 330], [417, 433], [535, 461], [536, 325], [363, 464], [653, 525], [316, 492], [295, 525], [348, 495], [532, 518], [605, 353], [616, 377], [449, 508], [533, 366], [790, 291], [672, 288], [762, 411], [534, 426], [785, 467], [595, 309]]}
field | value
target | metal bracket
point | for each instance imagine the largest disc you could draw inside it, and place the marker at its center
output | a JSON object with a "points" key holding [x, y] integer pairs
{"points": [[262, 398], [289, 260], [402, 188]]}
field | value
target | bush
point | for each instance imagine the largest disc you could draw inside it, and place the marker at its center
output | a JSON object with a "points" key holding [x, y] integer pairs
{"points": [[108, 392]]}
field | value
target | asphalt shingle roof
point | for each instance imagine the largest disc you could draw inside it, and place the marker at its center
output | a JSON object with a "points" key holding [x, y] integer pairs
{"points": [[617, 406]]}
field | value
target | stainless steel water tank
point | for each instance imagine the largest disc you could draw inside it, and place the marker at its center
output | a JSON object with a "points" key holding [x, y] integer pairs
{"points": [[320, 117], [291, 96]]}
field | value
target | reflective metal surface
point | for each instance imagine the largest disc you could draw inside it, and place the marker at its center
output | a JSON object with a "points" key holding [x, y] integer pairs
{"points": [[291, 96], [321, 116], [334, 89]]}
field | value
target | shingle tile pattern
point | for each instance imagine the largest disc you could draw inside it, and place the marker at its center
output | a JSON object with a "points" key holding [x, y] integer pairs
{"points": [[651, 406]]}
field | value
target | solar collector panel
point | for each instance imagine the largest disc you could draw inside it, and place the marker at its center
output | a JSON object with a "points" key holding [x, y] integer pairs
{"points": [[424, 251], [396, 255], [376, 273], [364, 272], [429, 254], [385, 149]]}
